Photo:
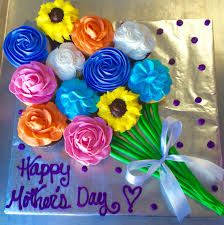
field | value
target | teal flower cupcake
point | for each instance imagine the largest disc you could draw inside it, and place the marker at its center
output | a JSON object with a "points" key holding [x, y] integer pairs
{"points": [[150, 79], [74, 98]]}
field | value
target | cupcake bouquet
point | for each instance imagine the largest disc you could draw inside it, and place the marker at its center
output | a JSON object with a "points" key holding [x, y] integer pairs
{"points": [[98, 90]]}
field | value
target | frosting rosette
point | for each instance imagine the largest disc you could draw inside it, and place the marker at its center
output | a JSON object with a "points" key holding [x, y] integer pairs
{"points": [[92, 33], [74, 98], [66, 61], [107, 69], [33, 83], [25, 44], [150, 79], [40, 125], [87, 140], [134, 39]]}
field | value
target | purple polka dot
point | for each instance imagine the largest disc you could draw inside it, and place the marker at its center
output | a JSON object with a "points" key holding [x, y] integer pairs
{"points": [[214, 188], [159, 31], [118, 170], [207, 22], [202, 67], [172, 61], [21, 146], [194, 40], [201, 121], [180, 22], [179, 144], [84, 169], [198, 100], [176, 102], [210, 144], [20, 112], [154, 206]]}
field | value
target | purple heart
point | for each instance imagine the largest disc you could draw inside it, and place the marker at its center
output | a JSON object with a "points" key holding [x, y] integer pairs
{"points": [[131, 195]]}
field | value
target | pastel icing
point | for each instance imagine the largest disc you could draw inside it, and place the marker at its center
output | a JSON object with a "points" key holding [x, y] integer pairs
{"points": [[66, 61], [107, 69], [87, 140], [25, 44], [150, 79], [92, 33], [74, 98], [134, 39], [33, 83]]}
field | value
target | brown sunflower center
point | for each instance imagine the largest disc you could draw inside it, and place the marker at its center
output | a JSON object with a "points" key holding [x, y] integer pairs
{"points": [[56, 15], [118, 107]]}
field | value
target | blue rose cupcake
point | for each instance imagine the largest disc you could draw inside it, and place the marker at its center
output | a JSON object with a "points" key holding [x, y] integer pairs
{"points": [[74, 98], [150, 79], [24, 45]]}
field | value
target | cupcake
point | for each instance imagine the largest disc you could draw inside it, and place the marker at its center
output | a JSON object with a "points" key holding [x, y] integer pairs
{"points": [[67, 61], [40, 125], [92, 33], [33, 83], [24, 45], [56, 19], [107, 69], [150, 79], [74, 98]]}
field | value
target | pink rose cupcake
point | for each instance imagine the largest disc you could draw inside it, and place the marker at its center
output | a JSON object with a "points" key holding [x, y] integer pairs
{"points": [[33, 83], [87, 140]]}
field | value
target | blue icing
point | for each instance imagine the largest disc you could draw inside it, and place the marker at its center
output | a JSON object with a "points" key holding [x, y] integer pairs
{"points": [[74, 98], [25, 44], [150, 79], [107, 69]]}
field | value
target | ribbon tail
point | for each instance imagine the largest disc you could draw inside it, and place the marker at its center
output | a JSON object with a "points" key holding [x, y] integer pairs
{"points": [[173, 194]]}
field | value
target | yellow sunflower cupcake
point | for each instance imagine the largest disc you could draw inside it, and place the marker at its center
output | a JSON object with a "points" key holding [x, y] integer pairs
{"points": [[120, 108], [56, 19]]}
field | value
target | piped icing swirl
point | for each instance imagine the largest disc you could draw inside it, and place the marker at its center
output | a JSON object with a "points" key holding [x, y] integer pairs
{"points": [[107, 69], [25, 44], [74, 98]]}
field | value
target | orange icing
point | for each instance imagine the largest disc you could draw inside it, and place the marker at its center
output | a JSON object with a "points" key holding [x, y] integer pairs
{"points": [[92, 33], [40, 125]]}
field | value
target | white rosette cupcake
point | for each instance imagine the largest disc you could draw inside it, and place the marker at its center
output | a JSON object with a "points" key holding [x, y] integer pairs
{"points": [[134, 39], [66, 61]]}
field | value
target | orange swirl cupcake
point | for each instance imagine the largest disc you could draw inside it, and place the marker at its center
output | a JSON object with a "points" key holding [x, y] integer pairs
{"points": [[92, 33], [41, 124]]}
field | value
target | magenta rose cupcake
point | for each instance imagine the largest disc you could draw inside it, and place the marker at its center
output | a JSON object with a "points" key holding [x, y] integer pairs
{"points": [[33, 83], [87, 140]]}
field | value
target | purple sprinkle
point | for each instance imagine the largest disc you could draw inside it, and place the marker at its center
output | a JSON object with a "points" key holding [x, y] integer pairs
{"points": [[215, 188], [84, 169], [207, 22], [172, 61], [201, 121], [118, 170], [154, 206], [210, 144], [176, 102], [202, 67], [159, 31], [179, 144], [180, 22], [194, 40], [20, 112], [198, 100], [21, 146]]}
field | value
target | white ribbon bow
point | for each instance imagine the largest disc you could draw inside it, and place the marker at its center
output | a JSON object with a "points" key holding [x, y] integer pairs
{"points": [[171, 189]]}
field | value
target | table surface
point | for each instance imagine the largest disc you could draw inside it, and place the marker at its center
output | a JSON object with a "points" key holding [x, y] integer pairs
{"points": [[15, 12]]}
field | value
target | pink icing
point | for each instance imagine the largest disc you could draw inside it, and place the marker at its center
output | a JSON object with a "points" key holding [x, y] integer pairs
{"points": [[87, 139], [33, 83]]}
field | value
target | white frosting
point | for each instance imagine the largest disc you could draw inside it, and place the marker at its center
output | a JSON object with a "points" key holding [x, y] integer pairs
{"points": [[66, 61], [134, 39]]}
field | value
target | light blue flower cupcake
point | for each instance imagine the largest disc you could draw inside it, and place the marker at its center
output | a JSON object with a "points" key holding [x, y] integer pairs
{"points": [[150, 79], [74, 98]]}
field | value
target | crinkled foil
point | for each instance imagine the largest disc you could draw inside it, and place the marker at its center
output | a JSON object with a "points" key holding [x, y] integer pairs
{"points": [[173, 42]]}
